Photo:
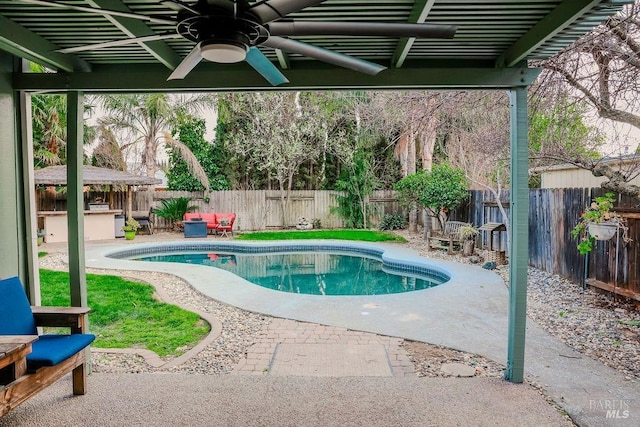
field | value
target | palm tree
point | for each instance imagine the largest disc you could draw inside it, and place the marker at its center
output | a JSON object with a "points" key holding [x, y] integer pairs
{"points": [[145, 119], [107, 153], [49, 121], [49, 129]]}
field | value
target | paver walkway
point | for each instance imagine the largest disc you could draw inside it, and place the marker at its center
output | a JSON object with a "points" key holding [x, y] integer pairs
{"points": [[284, 331]]}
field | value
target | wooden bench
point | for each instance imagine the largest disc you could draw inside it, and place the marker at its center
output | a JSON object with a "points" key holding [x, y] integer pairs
{"points": [[447, 240], [30, 362]]}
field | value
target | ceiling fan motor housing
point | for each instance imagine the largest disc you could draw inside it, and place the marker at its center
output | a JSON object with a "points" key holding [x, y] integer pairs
{"points": [[225, 50], [224, 35]]}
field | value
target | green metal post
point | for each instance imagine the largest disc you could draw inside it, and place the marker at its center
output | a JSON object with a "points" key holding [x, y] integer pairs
{"points": [[29, 200], [75, 199], [519, 236]]}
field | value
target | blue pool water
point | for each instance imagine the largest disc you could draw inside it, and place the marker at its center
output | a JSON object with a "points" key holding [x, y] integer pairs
{"points": [[312, 273]]}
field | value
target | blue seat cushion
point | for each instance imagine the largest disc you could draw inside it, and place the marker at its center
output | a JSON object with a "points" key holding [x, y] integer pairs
{"points": [[50, 350], [15, 312]]}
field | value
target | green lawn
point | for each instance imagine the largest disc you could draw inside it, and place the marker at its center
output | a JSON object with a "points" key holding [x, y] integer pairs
{"points": [[125, 314], [364, 235]]}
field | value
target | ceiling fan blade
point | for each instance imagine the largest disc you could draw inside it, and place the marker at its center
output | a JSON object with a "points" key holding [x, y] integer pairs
{"points": [[98, 11], [324, 55], [312, 28], [188, 63], [119, 43], [269, 10], [261, 64]]}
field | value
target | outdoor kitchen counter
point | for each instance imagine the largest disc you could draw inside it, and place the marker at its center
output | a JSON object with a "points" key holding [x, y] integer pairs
{"points": [[98, 225]]}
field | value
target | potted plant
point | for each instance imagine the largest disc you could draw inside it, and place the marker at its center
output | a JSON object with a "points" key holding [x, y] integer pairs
{"points": [[598, 222], [41, 234], [130, 229], [468, 234]]}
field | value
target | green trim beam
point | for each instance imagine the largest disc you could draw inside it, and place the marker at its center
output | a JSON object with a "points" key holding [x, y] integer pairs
{"points": [[419, 13], [560, 18], [23, 43], [518, 236], [75, 199], [209, 77]]}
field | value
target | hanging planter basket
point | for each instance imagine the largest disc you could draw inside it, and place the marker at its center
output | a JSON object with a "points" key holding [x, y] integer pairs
{"points": [[603, 230]]}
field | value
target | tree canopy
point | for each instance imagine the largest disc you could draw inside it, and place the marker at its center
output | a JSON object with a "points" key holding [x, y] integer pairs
{"points": [[438, 191], [190, 131]]}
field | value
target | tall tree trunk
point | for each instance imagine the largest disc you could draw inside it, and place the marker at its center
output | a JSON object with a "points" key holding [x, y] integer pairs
{"points": [[284, 200], [411, 169], [427, 139], [405, 152], [323, 161], [401, 153]]}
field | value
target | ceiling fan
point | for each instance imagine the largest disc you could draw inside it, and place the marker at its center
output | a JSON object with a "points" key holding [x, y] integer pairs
{"points": [[229, 31]]}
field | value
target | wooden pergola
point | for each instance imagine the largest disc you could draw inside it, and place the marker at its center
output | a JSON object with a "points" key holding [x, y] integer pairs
{"points": [[91, 175], [491, 47]]}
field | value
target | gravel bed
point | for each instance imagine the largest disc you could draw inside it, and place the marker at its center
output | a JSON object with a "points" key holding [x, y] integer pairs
{"points": [[595, 324], [428, 359]]}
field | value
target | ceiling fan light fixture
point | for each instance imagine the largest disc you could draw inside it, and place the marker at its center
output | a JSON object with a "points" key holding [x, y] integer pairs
{"points": [[224, 51]]}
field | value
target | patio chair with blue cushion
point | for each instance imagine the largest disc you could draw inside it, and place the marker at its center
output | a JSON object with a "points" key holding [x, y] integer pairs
{"points": [[52, 355]]}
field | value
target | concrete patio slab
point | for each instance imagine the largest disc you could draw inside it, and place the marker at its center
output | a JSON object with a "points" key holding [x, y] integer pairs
{"points": [[160, 400]]}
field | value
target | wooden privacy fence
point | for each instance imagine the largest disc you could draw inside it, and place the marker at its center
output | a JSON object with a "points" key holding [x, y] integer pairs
{"points": [[256, 210], [612, 265], [481, 208], [261, 209]]}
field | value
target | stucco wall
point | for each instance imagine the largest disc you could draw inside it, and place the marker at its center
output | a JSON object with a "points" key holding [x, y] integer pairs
{"points": [[9, 211]]}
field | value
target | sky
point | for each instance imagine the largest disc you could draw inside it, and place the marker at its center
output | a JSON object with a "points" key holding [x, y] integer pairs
{"points": [[621, 138]]}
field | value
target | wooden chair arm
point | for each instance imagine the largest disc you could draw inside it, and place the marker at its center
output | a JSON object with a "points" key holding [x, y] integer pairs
{"points": [[72, 317]]}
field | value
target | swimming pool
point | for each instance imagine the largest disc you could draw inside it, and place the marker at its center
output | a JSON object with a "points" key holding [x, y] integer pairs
{"points": [[468, 312], [311, 273], [303, 268]]}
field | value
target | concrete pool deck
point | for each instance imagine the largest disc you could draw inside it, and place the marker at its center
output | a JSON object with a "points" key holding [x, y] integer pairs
{"points": [[469, 313], [463, 304]]}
